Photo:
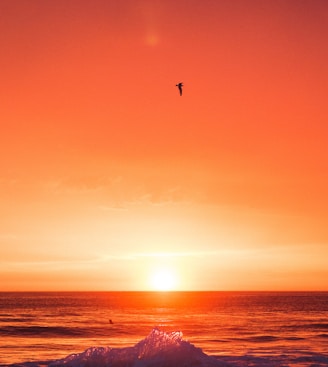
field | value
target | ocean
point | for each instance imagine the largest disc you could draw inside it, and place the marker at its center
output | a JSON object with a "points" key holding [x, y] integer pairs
{"points": [[170, 328]]}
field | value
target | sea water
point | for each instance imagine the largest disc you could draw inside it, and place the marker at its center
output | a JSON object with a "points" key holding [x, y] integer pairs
{"points": [[164, 329]]}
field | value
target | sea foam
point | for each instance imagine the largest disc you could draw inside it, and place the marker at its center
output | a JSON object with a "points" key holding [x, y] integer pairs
{"points": [[158, 349]]}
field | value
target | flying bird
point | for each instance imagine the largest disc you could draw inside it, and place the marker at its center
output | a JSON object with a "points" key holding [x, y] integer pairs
{"points": [[180, 85]]}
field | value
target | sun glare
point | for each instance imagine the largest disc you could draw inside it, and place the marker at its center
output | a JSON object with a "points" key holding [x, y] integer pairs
{"points": [[164, 280]]}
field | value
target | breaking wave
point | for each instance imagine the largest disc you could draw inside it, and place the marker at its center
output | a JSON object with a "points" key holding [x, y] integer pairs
{"points": [[158, 349]]}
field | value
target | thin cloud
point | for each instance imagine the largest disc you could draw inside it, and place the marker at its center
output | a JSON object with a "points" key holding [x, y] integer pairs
{"points": [[177, 254]]}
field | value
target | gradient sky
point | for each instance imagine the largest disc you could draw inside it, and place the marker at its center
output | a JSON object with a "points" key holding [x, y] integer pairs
{"points": [[107, 174]]}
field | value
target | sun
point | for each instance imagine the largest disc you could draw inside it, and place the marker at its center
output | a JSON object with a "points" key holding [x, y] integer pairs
{"points": [[164, 279]]}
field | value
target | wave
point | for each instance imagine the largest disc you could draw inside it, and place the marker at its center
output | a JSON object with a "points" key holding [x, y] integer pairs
{"points": [[262, 339], [309, 326], [322, 336], [161, 349], [11, 319], [56, 331], [37, 331], [158, 349], [322, 326]]}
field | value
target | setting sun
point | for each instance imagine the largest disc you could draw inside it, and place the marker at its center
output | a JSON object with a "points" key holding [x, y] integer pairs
{"points": [[164, 279]]}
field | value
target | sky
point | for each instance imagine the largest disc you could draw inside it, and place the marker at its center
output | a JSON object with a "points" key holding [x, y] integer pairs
{"points": [[109, 178]]}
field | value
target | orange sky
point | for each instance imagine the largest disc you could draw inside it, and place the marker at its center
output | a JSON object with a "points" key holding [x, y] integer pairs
{"points": [[107, 173]]}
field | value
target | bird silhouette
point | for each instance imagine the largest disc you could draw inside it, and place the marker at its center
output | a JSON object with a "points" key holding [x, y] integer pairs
{"points": [[180, 85]]}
